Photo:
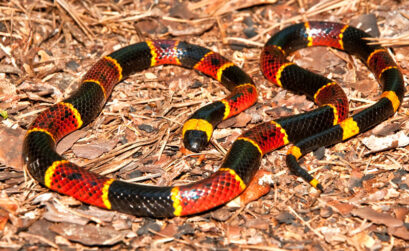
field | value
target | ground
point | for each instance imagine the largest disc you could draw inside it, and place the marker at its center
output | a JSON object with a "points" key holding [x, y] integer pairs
{"points": [[47, 46]]}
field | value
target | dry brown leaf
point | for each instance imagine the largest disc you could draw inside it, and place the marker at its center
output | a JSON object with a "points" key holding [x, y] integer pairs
{"points": [[94, 149], [8, 204], [11, 155], [57, 213], [169, 96], [240, 120], [233, 233], [89, 235], [168, 230], [363, 240], [258, 223], [217, 8], [181, 10], [332, 234], [386, 129], [377, 144], [401, 212], [366, 87], [67, 142], [343, 208], [401, 232], [259, 186], [190, 29], [376, 217], [4, 217]]}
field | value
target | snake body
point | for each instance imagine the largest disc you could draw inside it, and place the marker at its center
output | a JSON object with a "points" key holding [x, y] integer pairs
{"points": [[328, 124]]}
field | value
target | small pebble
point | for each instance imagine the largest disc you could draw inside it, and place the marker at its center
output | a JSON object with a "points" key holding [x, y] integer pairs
{"points": [[185, 229], [3, 27], [136, 155], [237, 47], [326, 212], [221, 214], [123, 140], [382, 236], [248, 21], [134, 174], [146, 128], [132, 109], [319, 153], [72, 65], [196, 84], [250, 32], [368, 177], [149, 224], [403, 186], [285, 217]]}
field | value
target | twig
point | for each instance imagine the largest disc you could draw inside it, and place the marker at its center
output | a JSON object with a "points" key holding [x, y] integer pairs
{"points": [[322, 6], [67, 7], [39, 237], [244, 41], [164, 142], [92, 218], [143, 178], [259, 247], [304, 222], [193, 244]]}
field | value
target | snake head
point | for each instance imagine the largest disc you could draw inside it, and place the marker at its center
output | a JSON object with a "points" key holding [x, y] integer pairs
{"points": [[195, 140]]}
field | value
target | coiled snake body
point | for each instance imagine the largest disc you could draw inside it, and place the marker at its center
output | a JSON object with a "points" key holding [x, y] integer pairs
{"points": [[328, 124]]}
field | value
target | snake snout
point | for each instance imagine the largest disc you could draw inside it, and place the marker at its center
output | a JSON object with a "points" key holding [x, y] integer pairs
{"points": [[195, 140]]}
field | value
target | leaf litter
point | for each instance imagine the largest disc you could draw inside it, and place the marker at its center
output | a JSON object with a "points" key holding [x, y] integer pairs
{"points": [[47, 46]]}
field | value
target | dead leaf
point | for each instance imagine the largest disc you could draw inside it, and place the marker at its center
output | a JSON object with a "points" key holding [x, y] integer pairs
{"points": [[41, 228], [386, 128], [332, 234], [259, 186], [401, 213], [343, 208], [258, 223], [57, 213], [190, 29], [401, 232], [366, 87], [221, 214], [8, 204], [89, 235], [217, 8], [169, 230], [378, 195], [181, 10], [94, 149], [4, 217], [67, 142], [9, 69], [377, 144], [233, 233], [11, 155], [362, 240], [240, 120], [376, 217]]}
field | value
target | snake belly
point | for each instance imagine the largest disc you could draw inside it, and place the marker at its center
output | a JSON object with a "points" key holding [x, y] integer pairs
{"points": [[312, 129]]}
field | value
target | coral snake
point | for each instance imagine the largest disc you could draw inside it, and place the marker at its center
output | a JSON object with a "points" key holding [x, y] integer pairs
{"points": [[327, 125]]}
